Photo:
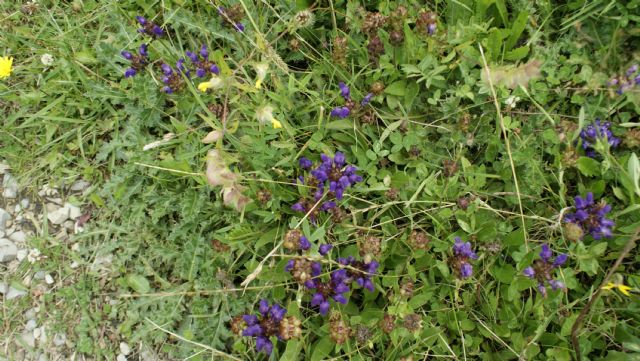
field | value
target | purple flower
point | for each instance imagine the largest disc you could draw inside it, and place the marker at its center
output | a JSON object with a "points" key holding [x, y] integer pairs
{"points": [[462, 253], [591, 217], [597, 130], [529, 272], [137, 61], [431, 28], [202, 63], [340, 112], [542, 269], [344, 91], [149, 28], [239, 27], [305, 163], [264, 327], [127, 55], [304, 243], [466, 270], [325, 248], [366, 99]]}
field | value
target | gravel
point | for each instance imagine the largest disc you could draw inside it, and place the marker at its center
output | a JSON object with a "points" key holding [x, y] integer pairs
{"points": [[8, 250]]}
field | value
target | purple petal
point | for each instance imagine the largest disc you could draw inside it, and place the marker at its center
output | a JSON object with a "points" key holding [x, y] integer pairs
{"points": [[129, 73], [325, 248], [127, 55]]}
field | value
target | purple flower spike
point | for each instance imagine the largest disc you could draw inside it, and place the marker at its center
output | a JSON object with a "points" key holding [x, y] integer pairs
{"points": [[529, 272], [264, 344], [214, 69], [204, 52], [304, 243], [166, 69], [344, 91], [305, 163], [591, 217], [598, 130], [191, 55], [367, 99], [340, 112], [127, 55], [325, 248], [129, 73], [466, 270], [541, 270], [157, 30], [141, 20], [545, 253], [239, 27]]}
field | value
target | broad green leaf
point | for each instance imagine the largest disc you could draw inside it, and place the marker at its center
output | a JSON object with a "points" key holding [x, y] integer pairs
{"points": [[588, 166], [138, 283]]}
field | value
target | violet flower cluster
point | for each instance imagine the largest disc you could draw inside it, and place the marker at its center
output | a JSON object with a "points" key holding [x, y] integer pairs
{"points": [[332, 172], [173, 78], [202, 63], [344, 111], [334, 289], [630, 79], [597, 130], [591, 217], [138, 61], [149, 28], [272, 322], [462, 253], [542, 268], [361, 271]]}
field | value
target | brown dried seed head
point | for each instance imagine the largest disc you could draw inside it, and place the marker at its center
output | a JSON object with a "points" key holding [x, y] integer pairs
{"points": [[339, 331], [450, 167], [237, 325], [412, 322], [377, 87], [419, 239], [387, 324], [292, 239], [290, 328]]}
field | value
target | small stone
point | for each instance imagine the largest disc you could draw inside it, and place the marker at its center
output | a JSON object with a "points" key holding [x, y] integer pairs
{"points": [[80, 185], [59, 339], [31, 313], [48, 279], [4, 218], [31, 325], [22, 254], [121, 357], [27, 339], [69, 224], [74, 212], [74, 265], [124, 348], [39, 275], [8, 250], [17, 208], [13, 293], [4, 167], [51, 207], [18, 237], [24, 203], [40, 334], [59, 216], [43, 357], [10, 186]]}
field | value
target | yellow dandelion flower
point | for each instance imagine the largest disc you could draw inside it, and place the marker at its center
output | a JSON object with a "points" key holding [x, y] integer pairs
{"points": [[624, 289], [276, 124], [6, 64]]}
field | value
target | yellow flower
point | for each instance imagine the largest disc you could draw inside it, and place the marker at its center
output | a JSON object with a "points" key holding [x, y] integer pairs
{"points": [[261, 73], [621, 287], [5, 66], [276, 124], [214, 83]]}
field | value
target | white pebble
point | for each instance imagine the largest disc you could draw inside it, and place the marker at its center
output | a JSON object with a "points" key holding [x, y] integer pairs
{"points": [[31, 325], [18, 237], [49, 279], [121, 357], [124, 348], [59, 339], [8, 250]]}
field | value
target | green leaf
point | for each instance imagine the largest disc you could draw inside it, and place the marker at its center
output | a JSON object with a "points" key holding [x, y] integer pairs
{"points": [[138, 283], [517, 53], [292, 350], [397, 88], [322, 349], [516, 29], [633, 167], [588, 166]]}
